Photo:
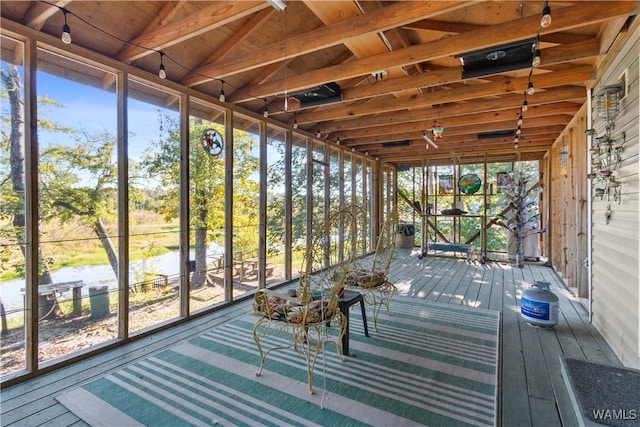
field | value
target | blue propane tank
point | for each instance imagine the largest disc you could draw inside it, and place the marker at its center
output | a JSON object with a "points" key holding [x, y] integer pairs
{"points": [[539, 306]]}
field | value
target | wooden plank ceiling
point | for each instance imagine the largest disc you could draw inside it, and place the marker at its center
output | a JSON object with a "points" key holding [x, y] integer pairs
{"points": [[396, 63]]}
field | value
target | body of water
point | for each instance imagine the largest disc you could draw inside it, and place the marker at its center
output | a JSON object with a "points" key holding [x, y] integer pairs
{"points": [[97, 275]]}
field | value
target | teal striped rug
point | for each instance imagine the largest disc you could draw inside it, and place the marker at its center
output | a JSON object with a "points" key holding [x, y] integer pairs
{"points": [[429, 364]]}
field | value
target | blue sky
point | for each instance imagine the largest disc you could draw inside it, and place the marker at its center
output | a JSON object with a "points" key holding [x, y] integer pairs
{"points": [[94, 110]]}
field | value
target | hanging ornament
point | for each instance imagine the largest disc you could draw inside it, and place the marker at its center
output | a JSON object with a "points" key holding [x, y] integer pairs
{"points": [[212, 142], [438, 130]]}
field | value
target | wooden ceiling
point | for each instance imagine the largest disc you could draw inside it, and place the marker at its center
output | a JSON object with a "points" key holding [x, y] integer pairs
{"points": [[395, 62]]}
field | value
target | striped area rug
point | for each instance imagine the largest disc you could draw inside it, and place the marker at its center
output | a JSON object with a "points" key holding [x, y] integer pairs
{"points": [[429, 364]]}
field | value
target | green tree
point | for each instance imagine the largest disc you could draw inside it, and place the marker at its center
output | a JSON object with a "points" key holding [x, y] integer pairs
{"points": [[206, 186], [79, 186], [77, 182]]}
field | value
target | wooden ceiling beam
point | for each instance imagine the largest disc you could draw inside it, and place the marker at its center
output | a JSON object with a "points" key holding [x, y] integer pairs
{"points": [[505, 85], [324, 37], [435, 98], [551, 56], [542, 124], [453, 110], [550, 115], [459, 27], [426, 121], [215, 15], [366, 45], [38, 13], [459, 147], [564, 18]]}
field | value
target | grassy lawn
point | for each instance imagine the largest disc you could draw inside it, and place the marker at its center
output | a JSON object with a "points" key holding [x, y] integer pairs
{"points": [[66, 245]]}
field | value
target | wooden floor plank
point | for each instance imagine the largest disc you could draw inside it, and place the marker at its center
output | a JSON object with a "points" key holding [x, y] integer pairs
{"points": [[532, 390], [459, 282], [516, 410], [486, 284]]}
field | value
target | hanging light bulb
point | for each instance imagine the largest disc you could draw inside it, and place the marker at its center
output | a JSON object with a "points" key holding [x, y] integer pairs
{"points": [[525, 106], [536, 58], [530, 89], [520, 120], [519, 130], [266, 111], [222, 97], [295, 123], [162, 73], [545, 21], [66, 31], [318, 134]]}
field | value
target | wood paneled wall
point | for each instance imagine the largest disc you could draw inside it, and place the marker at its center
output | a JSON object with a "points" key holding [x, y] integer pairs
{"points": [[567, 205]]}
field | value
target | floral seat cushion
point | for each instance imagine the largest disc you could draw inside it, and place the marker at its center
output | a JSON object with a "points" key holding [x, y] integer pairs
{"points": [[278, 308], [365, 279]]}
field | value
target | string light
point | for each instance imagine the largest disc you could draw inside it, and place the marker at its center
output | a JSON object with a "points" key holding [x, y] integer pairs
{"points": [[162, 73], [66, 31], [545, 21], [530, 89], [222, 97], [66, 38], [536, 59], [295, 123]]}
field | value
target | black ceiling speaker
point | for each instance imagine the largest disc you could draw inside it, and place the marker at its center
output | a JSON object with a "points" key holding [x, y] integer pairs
{"points": [[497, 59], [389, 144], [327, 93], [496, 134]]}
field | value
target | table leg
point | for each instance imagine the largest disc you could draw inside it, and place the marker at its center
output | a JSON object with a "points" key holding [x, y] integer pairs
{"points": [[77, 300], [344, 309], [364, 318]]}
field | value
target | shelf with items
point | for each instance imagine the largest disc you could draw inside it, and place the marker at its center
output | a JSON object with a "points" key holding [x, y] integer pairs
{"points": [[456, 220]]}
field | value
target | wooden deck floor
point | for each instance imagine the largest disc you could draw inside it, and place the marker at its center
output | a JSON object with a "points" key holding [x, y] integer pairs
{"points": [[532, 391]]}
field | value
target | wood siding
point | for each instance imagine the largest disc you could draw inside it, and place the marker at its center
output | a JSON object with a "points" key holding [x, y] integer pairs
{"points": [[568, 212], [615, 296]]}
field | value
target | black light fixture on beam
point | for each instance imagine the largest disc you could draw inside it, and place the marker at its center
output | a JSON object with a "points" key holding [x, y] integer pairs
{"points": [[392, 144], [497, 59], [495, 134], [327, 93]]}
